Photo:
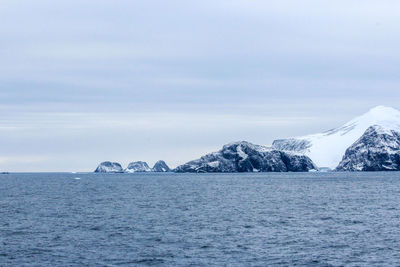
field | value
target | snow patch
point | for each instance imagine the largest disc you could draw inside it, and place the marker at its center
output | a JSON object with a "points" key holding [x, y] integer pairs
{"points": [[213, 164], [241, 153]]}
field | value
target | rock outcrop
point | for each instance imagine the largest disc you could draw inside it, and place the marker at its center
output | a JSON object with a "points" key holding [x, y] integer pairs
{"points": [[137, 166], [378, 149], [160, 166], [246, 157], [109, 167]]}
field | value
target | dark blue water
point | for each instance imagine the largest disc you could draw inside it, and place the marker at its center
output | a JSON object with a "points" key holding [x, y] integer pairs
{"points": [[313, 219]]}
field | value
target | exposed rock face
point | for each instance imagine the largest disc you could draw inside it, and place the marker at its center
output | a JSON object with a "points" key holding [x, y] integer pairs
{"points": [[138, 166], [378, 149], [109, 167], [160, 166], [247, 157]]}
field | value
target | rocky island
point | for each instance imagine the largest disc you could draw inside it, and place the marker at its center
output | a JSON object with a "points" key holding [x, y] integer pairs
{"points": [[109, 167], [160, 166], [136, 166], [247, 157]]}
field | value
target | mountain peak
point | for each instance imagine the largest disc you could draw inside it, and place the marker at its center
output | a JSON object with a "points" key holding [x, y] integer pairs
{"points": [[386, 117], [383, 111]]}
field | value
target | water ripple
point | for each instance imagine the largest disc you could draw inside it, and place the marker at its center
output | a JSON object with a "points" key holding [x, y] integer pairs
{"points": [[262, 219]]}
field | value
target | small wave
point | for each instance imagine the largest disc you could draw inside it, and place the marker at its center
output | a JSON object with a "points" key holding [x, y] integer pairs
{"points": [[148, 261], [77, 178]]}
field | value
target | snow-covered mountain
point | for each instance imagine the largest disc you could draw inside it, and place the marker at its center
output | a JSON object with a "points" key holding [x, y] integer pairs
{"points": [[327, 149]]}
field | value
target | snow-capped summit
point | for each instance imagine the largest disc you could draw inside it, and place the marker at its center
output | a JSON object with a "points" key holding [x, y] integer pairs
{"points": [[327, 149]]}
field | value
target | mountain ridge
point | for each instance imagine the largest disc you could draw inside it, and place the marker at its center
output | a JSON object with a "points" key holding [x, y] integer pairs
{"points": [[243, 156]]}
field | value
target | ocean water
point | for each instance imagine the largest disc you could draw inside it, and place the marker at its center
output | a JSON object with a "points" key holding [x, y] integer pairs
{"points": [[262, 219]]}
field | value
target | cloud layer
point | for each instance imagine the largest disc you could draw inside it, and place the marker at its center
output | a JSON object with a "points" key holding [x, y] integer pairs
{"points": [[85, 81]]}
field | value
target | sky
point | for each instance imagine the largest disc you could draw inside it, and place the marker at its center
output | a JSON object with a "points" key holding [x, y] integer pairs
{"points": [[92, 80]]}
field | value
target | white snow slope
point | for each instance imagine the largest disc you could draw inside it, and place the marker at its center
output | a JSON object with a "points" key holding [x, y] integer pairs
{"points": [[327, 149]]}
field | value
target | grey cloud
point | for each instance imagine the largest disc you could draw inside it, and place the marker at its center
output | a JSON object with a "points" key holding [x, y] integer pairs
{"points": [[225, 66]]}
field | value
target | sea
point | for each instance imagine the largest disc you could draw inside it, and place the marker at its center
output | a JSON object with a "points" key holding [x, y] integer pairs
{"points": [[168, 219]]}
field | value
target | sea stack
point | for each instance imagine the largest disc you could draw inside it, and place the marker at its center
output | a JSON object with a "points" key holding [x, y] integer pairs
{"points": [[160, 166], [137, 166], [109, 167]]}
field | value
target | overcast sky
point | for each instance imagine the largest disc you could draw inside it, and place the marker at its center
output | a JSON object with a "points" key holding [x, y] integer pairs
{"points": [[87, 81]]}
